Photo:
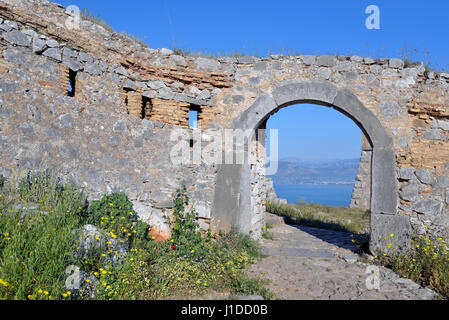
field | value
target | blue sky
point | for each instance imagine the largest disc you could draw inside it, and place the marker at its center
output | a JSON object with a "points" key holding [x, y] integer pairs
{"points": [[416, 28], [313, 132]]}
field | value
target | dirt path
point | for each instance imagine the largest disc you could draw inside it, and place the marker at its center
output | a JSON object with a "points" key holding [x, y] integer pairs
{"points": [[309, 264]]}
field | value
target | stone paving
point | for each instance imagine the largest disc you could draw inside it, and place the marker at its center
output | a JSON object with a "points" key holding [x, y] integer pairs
{"points": [[305, 263]]}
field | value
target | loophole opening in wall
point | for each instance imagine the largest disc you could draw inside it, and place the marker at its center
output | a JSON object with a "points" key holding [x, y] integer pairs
{"points": [[72, 83], [194, 116], [147, 107]]}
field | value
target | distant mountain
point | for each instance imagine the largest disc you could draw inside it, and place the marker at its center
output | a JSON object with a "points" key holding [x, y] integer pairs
{"points": [[297, 171]]}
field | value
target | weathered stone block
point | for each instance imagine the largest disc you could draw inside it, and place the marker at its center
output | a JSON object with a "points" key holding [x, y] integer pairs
{"points": [[327, 61], [178, 60], [369, 61], [308, 59], [154, 217], [356, 59], [412, 187], [5, 27], [440, 182], [7, 87], [30, 163], [53, 134], [403, 142], [69, 152], [85, 57], [15, 56], [26, 128], [6, 112], [440, 124], [131, 85], [17, 38], [51, 43], [54, 53], [409, 195], [390, 233], [72, 64], [261, 66], [121, 71], [406, 173], [424, 176], [206, 64], [396, 63], [93, 69], [39, 45], [324, 73], [64, 121], [156, 85], [165, 93], [390, 109], [34, 111], [434, 134], [120, 126], [245, 60], [428, 207], [350, 75]]}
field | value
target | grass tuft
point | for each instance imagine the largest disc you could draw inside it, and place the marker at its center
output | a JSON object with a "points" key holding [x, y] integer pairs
{"points": [[325, 217]]}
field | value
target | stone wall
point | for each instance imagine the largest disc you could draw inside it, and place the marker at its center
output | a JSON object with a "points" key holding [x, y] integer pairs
{"points": [[100, 137], [113, 132], [411, 103], [361, 195]]}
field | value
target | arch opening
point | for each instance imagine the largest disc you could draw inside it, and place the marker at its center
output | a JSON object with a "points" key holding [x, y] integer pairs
{"points": [[233, 208], [318, 159]]}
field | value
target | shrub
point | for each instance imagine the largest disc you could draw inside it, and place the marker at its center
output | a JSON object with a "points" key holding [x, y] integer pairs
{"points": [[114, 213], [2, 181], [201, 260], [427, 263], [186, 233]]}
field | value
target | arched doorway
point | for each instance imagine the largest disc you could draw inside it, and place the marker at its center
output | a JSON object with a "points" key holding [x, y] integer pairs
{"points": [[232, 200], [320, 159]]}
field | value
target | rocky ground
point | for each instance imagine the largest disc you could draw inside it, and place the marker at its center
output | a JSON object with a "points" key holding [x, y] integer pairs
{"points": [[305, 263]]}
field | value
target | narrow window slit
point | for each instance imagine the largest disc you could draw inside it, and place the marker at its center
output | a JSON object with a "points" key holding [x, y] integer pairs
{"points": [[72, 83], [194, 113], [147, 107]]}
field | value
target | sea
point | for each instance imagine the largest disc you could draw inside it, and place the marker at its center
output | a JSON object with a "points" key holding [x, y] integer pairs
{"points": [[338, 195]]}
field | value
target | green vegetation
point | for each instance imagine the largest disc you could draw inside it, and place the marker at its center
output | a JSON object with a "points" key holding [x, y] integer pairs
{"points": [[88, 15], [326, 217], [427, 263], [266, 234], [35, 244], [41, 224], [95, 18], [2, 181]]}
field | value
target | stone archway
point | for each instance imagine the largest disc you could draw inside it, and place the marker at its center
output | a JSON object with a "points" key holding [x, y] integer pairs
{"points": [[232, 200]]}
